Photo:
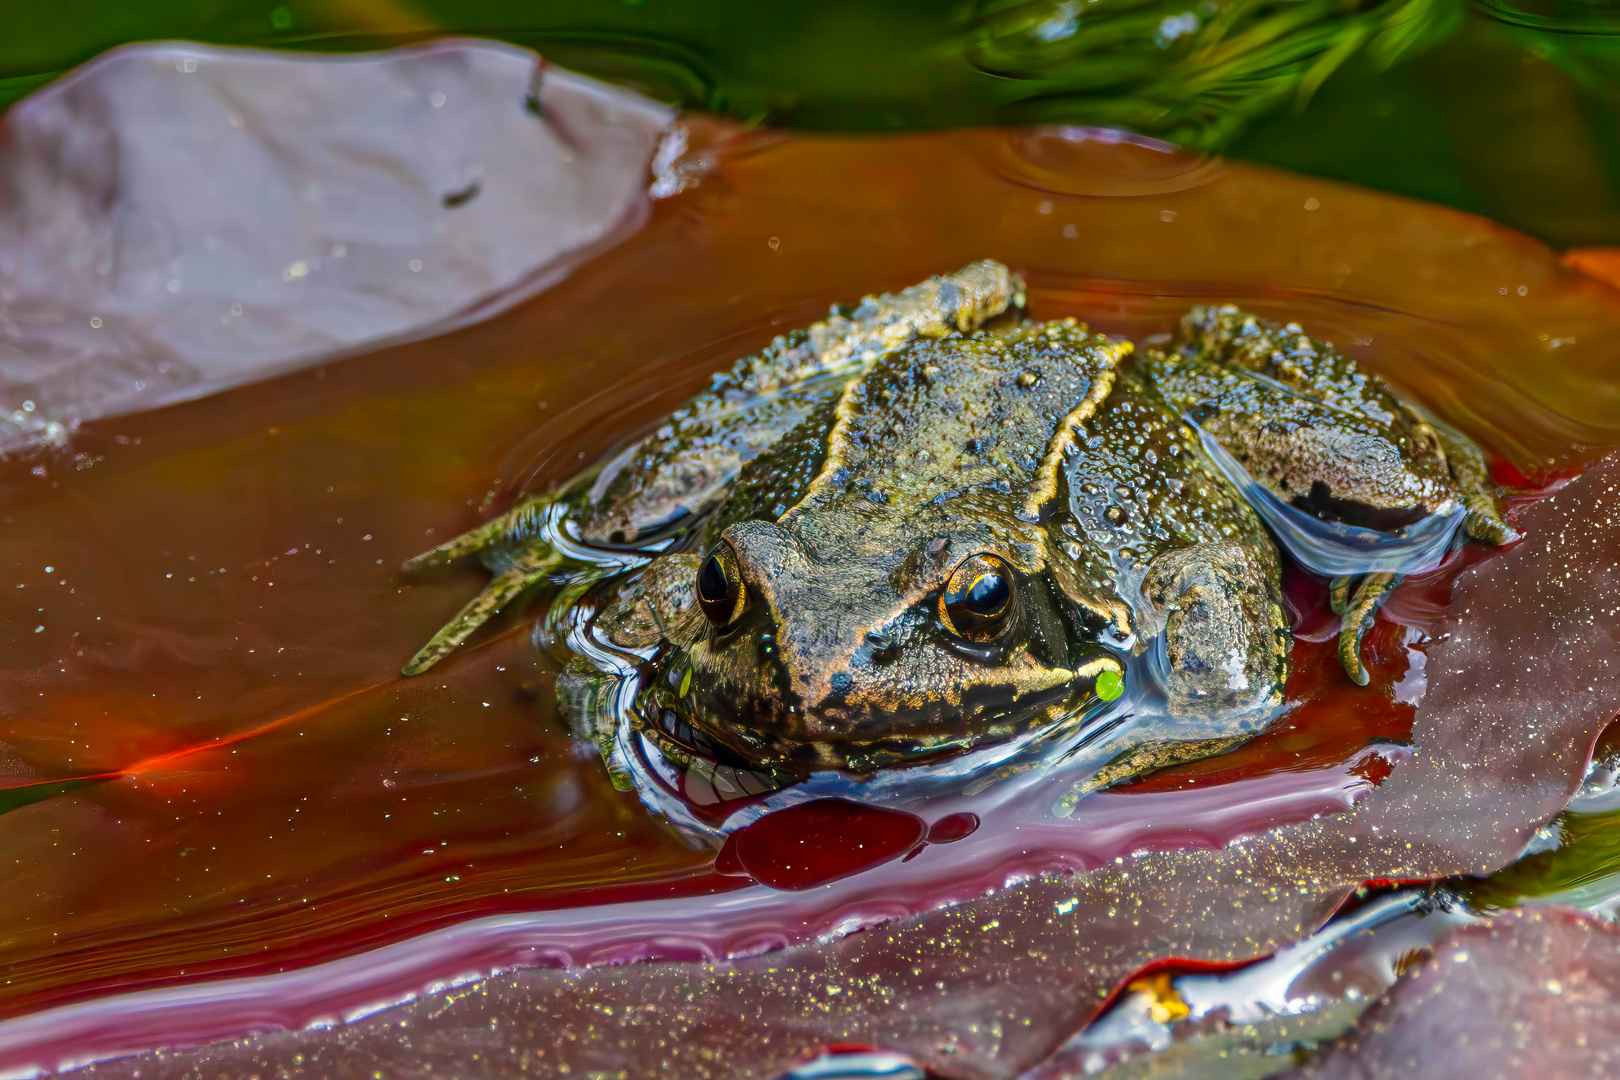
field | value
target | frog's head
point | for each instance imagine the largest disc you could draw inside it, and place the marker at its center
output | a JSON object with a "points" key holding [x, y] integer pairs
{"points": [[856, 637]]}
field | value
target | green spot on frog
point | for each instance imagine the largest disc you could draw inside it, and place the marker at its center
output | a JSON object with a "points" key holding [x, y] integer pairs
{"points": [[1110, 685]]}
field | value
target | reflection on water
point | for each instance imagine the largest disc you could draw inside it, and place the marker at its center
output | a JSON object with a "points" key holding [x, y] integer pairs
{"points": [[1197, 74], [219, 616]]}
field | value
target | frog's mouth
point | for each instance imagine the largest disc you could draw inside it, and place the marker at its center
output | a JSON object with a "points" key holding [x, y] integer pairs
{"points": [[697, 768], [758, 757]]}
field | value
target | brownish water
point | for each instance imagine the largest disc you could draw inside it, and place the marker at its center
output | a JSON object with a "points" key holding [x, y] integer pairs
{"points": [[219, 617]]}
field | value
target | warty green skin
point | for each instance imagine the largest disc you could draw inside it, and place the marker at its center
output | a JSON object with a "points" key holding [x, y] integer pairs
{"points": [[849, 470]]}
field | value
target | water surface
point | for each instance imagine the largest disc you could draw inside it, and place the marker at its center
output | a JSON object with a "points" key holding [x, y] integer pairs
{"points": [[210, 768]]}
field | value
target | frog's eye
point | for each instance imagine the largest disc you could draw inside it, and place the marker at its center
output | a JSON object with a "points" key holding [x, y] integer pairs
{"points": [[719, 587], [978, 598]]}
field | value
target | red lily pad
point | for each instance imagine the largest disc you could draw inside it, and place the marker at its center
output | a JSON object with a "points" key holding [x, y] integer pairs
{"points": [[1533, 994]]}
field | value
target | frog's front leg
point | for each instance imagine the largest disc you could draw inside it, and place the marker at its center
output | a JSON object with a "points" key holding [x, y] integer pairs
{"points": [[1226, 637]]}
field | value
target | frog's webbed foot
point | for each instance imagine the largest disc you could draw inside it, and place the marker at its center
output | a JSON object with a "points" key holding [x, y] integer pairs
{"points": [[502, 589], [529, 563], [1357, 619], [1225, 636]]}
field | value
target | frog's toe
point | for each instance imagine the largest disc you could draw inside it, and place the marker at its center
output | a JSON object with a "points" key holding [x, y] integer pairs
{"points": [[1339, 594], [517, 525], [1485, 522], [1350, 651], [501, 590], [1358, 618]]}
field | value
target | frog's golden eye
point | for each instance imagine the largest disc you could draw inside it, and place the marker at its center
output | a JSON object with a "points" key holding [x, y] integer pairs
{"points": [[978, 598], [719, 587]]}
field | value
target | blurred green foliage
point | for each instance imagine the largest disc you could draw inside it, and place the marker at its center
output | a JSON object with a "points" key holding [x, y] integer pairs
{"points": [[1507, 107], [1191, 70], [1583, 870], [1196, 73]]}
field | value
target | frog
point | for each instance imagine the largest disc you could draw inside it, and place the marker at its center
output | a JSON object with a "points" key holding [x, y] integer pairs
{"points": [[929, 523]]}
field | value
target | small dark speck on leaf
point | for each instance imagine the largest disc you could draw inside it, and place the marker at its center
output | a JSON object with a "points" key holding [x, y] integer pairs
{"points": [[463, 197]]}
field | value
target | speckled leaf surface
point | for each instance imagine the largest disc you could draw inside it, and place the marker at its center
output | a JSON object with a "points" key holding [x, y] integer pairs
{"points": [[1533, 994]]}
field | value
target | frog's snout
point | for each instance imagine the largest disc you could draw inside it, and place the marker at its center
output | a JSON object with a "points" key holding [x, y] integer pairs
{"points": [[803, 642], [808, 617]]}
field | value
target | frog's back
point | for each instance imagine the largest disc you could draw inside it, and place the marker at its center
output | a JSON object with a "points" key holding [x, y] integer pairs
{"points": [[970, 418]]}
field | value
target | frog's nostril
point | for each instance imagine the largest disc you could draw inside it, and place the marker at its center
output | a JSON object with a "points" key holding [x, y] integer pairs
{"points": [[880, 645]]}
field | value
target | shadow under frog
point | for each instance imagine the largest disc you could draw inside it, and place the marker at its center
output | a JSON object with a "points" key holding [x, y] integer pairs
{"points": [[924, 531]]}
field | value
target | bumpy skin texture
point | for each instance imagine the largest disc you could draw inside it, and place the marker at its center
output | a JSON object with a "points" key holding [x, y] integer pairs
{"points": [[931, 460], [847, 485], [1318, 431], [687, 465]]}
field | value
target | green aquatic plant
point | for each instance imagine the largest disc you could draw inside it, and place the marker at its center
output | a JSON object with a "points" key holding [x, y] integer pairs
{"points": [[1583, 17], [1193, 71], [1579, 865]]}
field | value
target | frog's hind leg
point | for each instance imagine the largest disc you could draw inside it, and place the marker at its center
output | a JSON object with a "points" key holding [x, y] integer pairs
{"points": [[502, 589], [1357, 619]]}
